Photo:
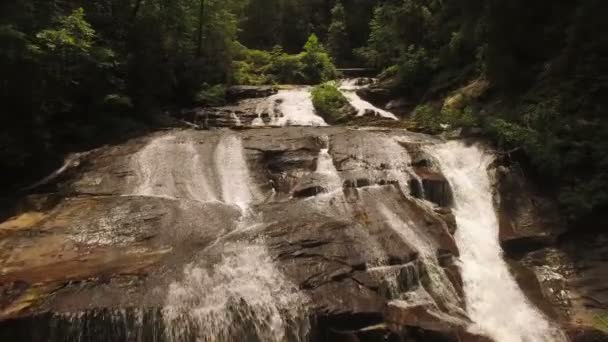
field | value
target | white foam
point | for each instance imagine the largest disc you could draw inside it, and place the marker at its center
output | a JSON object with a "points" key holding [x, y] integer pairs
{"points": [[242, 298], [494, 300]]}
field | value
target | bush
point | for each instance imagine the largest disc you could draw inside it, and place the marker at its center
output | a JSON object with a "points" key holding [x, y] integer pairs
{"points": [[211, 96], [285, 68], [318, 66], [427, 118], [435, 121], [312, 66], [415, 68], [329, 102]]}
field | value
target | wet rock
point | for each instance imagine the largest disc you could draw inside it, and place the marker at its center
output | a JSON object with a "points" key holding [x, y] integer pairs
{"points": [[589, 334], [309, 192], [399, 106], [527, 220], [436, 187], [375, 95], [112, 243]]}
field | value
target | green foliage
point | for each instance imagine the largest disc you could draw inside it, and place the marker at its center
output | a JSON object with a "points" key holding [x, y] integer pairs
{"points": [[329, 102], [434, 121], [211, 95], [415, 68], [73, 35], [428, 118], [285, 68], [318, 66], [396, 27], [311, 66], [337, 35]]}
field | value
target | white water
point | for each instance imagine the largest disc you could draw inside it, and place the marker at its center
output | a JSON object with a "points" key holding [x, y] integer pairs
{"points": [[159, 176], [290, 107], [237, 186], [326, 170], [242, 298], [440, 285], [237, 120], [494, 300], [348, 89]]}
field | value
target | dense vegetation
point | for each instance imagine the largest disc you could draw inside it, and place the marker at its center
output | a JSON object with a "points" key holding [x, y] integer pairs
{"points": [[547, 73], [532, 75], [78, 73]]}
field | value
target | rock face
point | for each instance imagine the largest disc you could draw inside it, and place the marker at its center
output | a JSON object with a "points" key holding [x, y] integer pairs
{"points": [[312, 229], [564, 272]]}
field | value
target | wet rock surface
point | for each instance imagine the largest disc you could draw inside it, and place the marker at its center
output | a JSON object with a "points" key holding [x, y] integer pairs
{"points": [[328, 233], [562, 271], [328, 210]]}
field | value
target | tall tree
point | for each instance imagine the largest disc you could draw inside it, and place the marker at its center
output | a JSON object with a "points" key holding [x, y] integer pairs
{"points": [[337, 37]]}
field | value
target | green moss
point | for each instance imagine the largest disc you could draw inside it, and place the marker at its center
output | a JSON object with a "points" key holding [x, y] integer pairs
{"points": [[329, 102]]}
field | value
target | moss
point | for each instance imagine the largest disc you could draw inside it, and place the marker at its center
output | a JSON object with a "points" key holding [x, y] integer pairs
{"points": [[329, 102]]}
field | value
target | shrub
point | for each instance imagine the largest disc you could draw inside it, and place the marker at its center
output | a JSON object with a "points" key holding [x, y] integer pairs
{"points": [[312, 66], [415, 68], [329, 102], [318, 66], [427, 118], [434, 121], [211, 96], [286, 68]]}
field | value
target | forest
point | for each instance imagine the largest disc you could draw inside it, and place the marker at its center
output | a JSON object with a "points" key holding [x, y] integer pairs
{"points": [[77, 74]]}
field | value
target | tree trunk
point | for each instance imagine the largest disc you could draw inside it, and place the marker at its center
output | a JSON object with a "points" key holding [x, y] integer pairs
{"points": [[201, 19]]}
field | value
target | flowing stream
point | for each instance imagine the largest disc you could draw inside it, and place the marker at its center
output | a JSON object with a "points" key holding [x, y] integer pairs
{"points": [[349, 89], [494, 300], [290, 107]]}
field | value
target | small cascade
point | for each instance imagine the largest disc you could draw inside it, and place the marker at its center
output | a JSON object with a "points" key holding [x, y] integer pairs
{"points": [[348, 88], [290, 107], [236, 119], [237, 186], [494, 300], [327, 170], [440, 285], [243, 298], [158, 176]]}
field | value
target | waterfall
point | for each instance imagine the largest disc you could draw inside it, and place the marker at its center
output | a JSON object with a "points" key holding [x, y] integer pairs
{"points": [[242, 298], [348, 89], [290, 107], [237, 186], [326, 170], [494, 300], [440, 286], [158, 176]]}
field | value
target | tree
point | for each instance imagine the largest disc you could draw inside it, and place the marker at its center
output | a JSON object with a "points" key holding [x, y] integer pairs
{"points": [[337, 36], [318, 66]]}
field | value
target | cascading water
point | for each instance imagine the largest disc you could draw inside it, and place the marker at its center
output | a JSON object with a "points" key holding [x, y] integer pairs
{"points": [[327, 170], [232, 170], [348, 89], [243, 298], [290, 107], [158, 177], [494, 300]]}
